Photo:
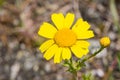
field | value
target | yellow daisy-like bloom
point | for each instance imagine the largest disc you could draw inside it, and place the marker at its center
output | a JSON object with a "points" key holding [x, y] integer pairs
{"points": [[64, 39]]}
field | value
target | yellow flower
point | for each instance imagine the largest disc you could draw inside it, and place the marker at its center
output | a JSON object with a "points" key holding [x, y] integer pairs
{"points": [[105, 41], [62, 39]]}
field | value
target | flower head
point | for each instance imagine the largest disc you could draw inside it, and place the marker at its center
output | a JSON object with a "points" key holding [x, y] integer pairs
{"points": [[105, 41], [63, 38]]}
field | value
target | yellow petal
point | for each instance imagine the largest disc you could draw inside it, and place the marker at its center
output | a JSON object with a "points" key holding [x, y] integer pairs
{"points": [[50, 52], [57, 57], [66, 53], [81, 25], [46, 45], [47, 30], [83, 44], [81, 29], [69, 19], [84, 34], [58, 20], [79, 51]]}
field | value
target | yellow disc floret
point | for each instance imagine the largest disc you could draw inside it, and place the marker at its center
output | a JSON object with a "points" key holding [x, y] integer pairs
{"points": [[65, 37]]}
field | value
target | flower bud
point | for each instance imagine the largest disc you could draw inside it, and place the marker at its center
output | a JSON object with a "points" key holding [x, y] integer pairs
{"points": [[105, 41]]}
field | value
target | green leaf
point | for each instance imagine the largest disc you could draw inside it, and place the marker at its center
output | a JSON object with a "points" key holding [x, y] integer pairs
{"points": [[118, 59], [115, 15], [87, 76]]}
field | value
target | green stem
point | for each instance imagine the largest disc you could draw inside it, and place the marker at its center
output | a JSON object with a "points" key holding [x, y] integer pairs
{"points": [[72, 67], [92, 55], [73, 70], [75, 77]]}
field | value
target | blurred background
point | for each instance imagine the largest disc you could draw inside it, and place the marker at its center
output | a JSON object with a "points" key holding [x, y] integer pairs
{"points": [[20, 58]]}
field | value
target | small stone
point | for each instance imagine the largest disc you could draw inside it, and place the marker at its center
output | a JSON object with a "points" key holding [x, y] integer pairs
{"points": [[36, 67], [59, 77], [47, 67], [100, 72], [22, 46], [112, 35], [14, 71]]}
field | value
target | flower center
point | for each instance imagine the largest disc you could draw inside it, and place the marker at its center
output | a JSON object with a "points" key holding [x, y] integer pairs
{"points": [[65, 37]]}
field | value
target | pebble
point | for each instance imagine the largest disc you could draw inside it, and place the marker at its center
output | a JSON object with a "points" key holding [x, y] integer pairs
{"points": [[99, 72], [47, 67], [112, 35], [14, 71]]}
